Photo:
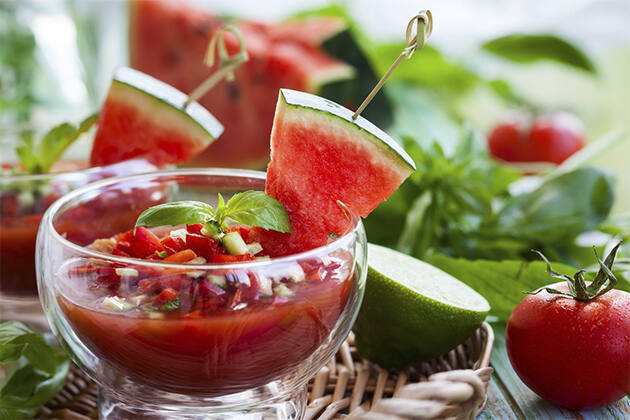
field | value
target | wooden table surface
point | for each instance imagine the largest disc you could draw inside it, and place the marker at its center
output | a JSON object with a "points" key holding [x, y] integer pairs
{"points": [[509, 398]]}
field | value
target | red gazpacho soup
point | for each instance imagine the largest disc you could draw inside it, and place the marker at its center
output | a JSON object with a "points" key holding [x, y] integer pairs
{"points": [[23, 203], [209, 332]]}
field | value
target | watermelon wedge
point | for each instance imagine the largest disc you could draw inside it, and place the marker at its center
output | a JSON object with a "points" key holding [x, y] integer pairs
{"points": [[319, 156], [144, 117], [168, 40]]}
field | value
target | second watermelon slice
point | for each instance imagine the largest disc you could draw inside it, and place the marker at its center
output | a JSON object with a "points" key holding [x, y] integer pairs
{"points": [[168, 40], [144, 117]]}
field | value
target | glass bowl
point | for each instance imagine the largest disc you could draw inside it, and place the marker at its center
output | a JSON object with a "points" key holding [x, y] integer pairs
{"points": [[23, 200], [246, 347]]}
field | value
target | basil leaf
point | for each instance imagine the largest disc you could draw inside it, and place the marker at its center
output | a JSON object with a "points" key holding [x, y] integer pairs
{"points": [[525, 48], [52, 146], [28, 159], [176, 213], [255, 208], [36, 370], [220, 213], [502, 283], [558, 210]]}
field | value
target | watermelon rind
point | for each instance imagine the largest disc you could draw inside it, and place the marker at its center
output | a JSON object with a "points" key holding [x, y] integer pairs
{"points": [[338, 113], [161, 100]]}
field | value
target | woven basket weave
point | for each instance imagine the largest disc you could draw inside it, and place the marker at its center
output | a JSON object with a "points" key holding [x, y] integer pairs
{"points": [[351, 387]]}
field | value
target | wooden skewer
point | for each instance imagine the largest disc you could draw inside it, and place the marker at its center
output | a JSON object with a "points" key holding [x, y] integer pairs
{"points": [[226, 66], [424, 27]]}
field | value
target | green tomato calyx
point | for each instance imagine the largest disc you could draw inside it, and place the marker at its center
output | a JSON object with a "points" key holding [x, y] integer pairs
{"points": [[603, 282]]}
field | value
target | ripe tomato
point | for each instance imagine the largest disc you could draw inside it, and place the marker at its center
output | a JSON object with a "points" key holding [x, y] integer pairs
{"points": [[544, 138], [575, 354]]}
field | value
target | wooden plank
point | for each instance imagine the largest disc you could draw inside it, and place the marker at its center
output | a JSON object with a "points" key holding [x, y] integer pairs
{"points": [[498, 404], [534, 407]]}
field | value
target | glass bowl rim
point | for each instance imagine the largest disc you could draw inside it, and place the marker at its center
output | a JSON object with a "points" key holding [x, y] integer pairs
{"points": [[51, 175], [47, 223]]}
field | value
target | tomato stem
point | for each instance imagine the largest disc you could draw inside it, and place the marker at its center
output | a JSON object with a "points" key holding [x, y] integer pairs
{"points": [[603, 282]]}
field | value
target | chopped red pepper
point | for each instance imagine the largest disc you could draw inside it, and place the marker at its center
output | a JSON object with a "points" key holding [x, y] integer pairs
{"points": [[204, 246], [173, 245], [227, 258], [196, 228], [181, 257], [167, 295]]}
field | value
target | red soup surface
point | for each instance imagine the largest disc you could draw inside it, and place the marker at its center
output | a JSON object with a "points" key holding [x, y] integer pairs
{"points": [[193, 333]]}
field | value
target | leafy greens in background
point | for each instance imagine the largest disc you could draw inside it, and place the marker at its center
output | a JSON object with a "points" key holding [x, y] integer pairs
{"points": [[36, 371], [17, 72], [524, 48], [460, 205], [502, 283]]}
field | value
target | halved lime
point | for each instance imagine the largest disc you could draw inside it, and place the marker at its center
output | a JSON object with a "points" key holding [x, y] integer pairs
{"points": [[412, 311]]}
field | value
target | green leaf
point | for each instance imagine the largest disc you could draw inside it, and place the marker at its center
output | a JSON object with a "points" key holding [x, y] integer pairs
{"points": [[53, 144], [428, 67], [524, 48], [58, 139], [350, 45], [176, 213], [41, 158], [11, 352], [255, 208], [502, 283], [172, 305], [36, 370], [559, 209], [28, 159]]}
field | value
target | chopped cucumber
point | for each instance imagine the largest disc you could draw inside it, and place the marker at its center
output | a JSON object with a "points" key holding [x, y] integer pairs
{"points": [[212, 230], [254, 248], [282, 290], [129, 272], [234, 244], [116, 304], [179, 233], [295, 273], [195, 274], [265, 283], [218, 280], [196, 260], [26, 199], [138, 300]]}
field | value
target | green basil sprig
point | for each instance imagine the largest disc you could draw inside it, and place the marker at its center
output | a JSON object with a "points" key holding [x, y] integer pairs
{"points": [[39, 159], [251, 208], [36, 371]]}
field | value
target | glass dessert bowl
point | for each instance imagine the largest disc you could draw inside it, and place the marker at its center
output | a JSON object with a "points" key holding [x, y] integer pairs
{"points": [[228, 339], [23, 200]]}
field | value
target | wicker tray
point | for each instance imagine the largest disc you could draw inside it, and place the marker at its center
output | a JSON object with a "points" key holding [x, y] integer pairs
{"points": [[352, 387]]}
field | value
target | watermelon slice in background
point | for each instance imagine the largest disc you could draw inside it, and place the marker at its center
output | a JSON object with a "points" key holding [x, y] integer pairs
{"points": [[320, 155], [144, 117], [168, 40]]}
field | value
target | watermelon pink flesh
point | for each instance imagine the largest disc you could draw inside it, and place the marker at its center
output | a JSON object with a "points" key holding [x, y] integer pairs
{"points": [[318, 158], [143, 117], [168, 40]]}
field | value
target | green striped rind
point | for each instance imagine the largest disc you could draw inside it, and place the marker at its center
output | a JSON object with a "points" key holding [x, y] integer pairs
{"points": [[296, 98], [166, 94]]}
